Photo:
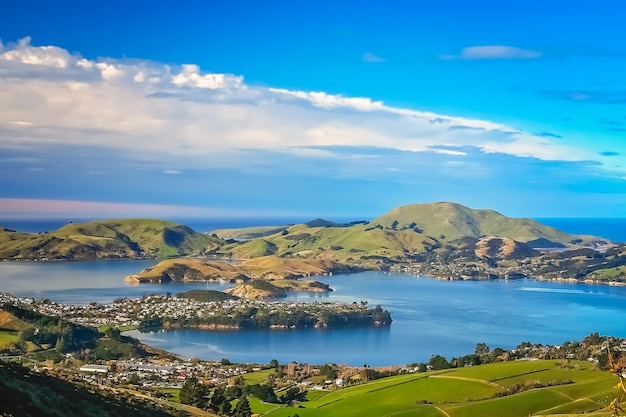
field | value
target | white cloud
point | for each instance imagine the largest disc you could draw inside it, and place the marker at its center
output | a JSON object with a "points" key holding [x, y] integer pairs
{"points": [[494, 52], [183, 118], [50, 56], [448, 152], [372, 58], [190, 77]]}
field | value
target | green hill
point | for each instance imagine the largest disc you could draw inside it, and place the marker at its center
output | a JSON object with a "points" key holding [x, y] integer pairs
{"points": [[407, 232], [508, 389], [450, 221], [116, 238]]}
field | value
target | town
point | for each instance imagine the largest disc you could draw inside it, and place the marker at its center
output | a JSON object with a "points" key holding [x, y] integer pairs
{"points": [[167, 311]]}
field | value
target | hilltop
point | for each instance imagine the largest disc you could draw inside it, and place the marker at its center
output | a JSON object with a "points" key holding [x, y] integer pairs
{"points": [[406, 232], [449, 221], [442, 239], [107, 239], [445, 240]]}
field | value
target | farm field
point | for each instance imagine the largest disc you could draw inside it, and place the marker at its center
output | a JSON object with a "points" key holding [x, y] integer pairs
{"points": [[508, 389]]}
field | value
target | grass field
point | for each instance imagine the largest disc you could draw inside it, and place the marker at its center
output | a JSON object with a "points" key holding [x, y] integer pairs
{"points": [[467, 392], [258, 377], [8, 337], [10, 329]]}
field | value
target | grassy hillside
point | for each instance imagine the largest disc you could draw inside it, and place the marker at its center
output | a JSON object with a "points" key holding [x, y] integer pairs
{"points": [[27, 393], [508, 389], [25, 331], [449, 221], [269, 268], [205, 296], [416, 233], [10, 331], [188, 270], [123, 238], [247, 233], [341, 244]]}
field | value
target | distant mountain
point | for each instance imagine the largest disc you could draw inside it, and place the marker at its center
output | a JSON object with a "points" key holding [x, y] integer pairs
{"points": [[117, 238], [411, 233], [450, 221], [404, 233], [324, 223]]}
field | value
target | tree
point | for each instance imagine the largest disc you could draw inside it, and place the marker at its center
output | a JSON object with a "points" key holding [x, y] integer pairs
{"points": [[60, 345], [193, 393], [242, 409], [273, 363], [113, 333], [219, 402], [291, 395], [438, 362], [133, 379], [329, 371], [262, 392], [481, 349]]}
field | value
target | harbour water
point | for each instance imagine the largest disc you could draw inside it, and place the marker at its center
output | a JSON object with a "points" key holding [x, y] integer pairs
{"points": [[430, 316]]}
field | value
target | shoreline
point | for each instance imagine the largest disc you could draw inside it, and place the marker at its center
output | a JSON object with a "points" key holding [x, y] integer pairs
{"points": [[134, 279]]}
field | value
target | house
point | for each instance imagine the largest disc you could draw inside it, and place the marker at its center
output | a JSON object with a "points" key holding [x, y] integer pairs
{"points": [[94, 369]]}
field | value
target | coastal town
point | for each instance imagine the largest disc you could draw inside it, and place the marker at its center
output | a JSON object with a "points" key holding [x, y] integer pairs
{"points": [[157, 311]]}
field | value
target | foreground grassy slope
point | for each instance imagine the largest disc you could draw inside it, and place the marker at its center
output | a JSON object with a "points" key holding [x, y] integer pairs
{"points": [[10, 330], [486, 390], [27, 393], [116, 238]]}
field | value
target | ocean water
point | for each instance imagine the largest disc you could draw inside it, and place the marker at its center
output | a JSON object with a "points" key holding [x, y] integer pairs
{"points": [[199, 225], [610, 228]]}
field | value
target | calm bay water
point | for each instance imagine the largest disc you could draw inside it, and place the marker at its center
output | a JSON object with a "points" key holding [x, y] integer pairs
{"points": [[430, 316]]}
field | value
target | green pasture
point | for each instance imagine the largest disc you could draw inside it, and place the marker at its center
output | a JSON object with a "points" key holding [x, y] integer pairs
{"points": [[258, 377], [467, 392], [8, 337]]}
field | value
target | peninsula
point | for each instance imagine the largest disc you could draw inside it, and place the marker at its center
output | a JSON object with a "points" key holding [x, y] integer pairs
{"points": [[443, 240]]}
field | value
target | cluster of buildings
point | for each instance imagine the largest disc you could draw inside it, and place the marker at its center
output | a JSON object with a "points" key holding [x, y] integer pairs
{"points": [[125, 312], [162, 374]]}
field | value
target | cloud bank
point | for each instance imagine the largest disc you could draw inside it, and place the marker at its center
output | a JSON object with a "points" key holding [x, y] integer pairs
{"points": [[74, 128], [494, 52], [51, 97]]}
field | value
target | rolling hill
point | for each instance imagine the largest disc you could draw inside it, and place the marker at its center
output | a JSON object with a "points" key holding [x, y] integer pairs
{"points": [[408, 232], [449, 221], [116, 238]]}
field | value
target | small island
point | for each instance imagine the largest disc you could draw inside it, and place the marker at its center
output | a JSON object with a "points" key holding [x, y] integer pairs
{"points": [[257, 279]]}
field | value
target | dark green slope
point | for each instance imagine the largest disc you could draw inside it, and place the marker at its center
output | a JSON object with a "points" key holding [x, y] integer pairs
{"points": [[25, 393]]}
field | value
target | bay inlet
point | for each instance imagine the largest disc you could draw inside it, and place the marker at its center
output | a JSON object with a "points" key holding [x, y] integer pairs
{"points": [[430, 316]]}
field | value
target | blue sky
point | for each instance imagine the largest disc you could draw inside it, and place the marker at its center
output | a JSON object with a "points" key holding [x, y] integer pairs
{"points": [[306, 109]]}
